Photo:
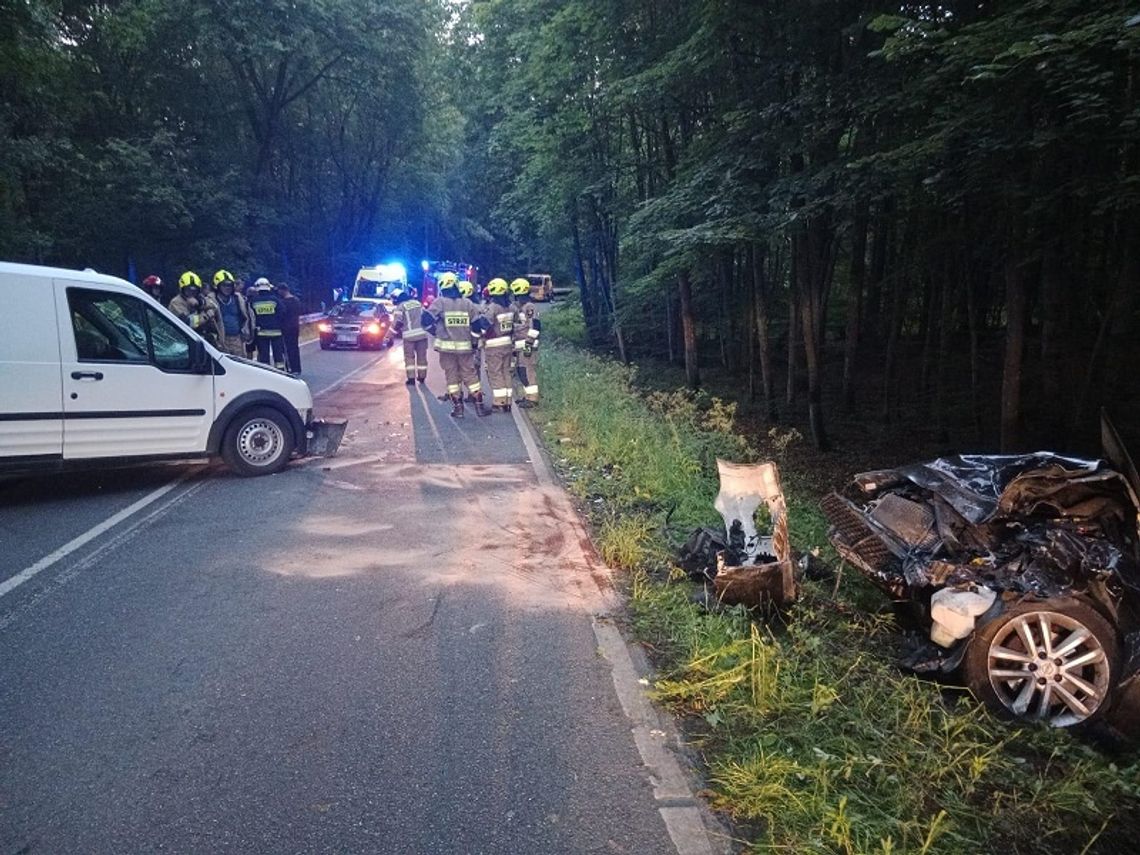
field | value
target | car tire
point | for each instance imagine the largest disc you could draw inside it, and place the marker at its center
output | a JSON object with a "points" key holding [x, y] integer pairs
{"points": [[326, 345], [259, 441], [1067, 651]]}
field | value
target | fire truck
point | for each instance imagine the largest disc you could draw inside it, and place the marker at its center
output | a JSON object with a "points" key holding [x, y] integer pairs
{"points": [[434, 269]]}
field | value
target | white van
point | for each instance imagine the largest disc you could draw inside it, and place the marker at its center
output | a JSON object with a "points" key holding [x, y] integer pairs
{"points": [[94, 371]]}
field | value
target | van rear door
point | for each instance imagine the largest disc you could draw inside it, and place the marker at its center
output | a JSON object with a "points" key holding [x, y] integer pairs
{"points": [[31, 386], [129, 387]]}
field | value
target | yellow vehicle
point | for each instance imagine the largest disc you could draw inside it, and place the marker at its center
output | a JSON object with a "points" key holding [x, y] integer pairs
{"points": [[541, 286]]}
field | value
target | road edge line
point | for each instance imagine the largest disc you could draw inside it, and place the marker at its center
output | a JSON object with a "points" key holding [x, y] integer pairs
{"points": [[11, 584], [677, 804]]}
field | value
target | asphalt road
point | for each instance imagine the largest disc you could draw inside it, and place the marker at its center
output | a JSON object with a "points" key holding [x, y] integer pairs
{"points": [[390, 651]]}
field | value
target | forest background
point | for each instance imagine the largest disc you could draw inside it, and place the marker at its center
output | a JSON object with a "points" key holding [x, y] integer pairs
{"points": [[880, 221]]}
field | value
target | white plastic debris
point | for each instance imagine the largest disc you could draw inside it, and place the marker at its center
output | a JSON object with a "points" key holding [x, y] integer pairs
{"points": [[954, 612], [743, 486]]}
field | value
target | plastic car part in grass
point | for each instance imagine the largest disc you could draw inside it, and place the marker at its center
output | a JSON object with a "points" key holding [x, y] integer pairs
{"points": [[755, 568]]}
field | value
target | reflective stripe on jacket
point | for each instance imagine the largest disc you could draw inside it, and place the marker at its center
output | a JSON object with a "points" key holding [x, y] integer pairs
{"points": [[408, 320], [453, 317]]}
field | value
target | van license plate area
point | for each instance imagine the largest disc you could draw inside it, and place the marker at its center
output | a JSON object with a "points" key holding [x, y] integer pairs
{"points": [[348, 338]]}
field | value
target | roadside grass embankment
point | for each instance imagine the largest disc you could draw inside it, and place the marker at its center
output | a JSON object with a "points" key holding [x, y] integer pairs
{"points": [[811, 738]]}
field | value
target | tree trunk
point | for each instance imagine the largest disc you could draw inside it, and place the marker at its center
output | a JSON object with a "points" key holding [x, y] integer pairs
{"points": [[793, 332], [945, 330], [1015, 318], [973, 315], [812, 253], [689, 331], [727, 332], [1054, 417], [854, 308], [762, 314]]}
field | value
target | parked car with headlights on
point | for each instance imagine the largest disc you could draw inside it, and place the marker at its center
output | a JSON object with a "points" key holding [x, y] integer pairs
{"points": [[363, 324]]}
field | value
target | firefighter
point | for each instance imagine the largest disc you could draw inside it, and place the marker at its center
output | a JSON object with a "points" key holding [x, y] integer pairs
{"points": [[192, 308], [408, 315], [527, 328], [498, 347], [467, 289], [267, 315], [454, 318], [234, 314], [153, 286]]}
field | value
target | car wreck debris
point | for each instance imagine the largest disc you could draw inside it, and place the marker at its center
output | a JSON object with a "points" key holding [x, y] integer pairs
{"points": [[1025, 570], [745, 565]]}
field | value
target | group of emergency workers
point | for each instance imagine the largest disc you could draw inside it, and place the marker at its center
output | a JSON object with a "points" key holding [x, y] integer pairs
{"points": [[500, 335], [260, 319]]}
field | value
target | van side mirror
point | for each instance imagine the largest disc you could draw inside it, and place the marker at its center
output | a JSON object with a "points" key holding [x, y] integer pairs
{"points": [[200, 362]]}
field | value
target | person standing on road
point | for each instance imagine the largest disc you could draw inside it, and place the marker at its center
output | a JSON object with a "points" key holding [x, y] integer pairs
{"points": [[290, 327], [527, 328], [267, 315], [249, 291], [467, 289], [192, 308], [408, 323], [453, 318], [153, 286], [498, 347], [236, 320]]}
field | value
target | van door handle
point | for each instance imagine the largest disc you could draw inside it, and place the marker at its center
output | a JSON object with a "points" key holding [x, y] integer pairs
{"points": [[86, 375]]}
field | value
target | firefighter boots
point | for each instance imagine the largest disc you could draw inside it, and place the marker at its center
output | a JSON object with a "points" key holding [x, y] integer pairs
{"points": [[457, 406], [480, 408]]}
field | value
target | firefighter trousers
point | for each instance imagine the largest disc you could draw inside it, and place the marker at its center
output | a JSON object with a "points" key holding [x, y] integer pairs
{"points": [[459, 369], [498, 362], [528, 374], [415, 358], [274, 343]]}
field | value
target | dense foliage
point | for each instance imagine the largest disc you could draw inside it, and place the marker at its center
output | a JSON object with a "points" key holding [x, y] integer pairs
{"points": [[923, 213], [926, 211], [294, 138]]}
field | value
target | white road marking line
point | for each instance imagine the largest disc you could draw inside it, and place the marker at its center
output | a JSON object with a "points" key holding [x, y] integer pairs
{"points": [[115, 541], [48, 560]]}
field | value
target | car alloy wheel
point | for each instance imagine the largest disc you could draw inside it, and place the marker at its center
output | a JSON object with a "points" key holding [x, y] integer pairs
{"points": [[1053, 661]]}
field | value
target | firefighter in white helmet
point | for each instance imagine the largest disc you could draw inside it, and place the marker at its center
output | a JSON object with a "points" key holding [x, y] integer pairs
{"points": [[408, 314], [525, 333], [453, 319]]}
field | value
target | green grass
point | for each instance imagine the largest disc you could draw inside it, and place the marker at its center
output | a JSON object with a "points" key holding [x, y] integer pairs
{"points": [[811, 736]]}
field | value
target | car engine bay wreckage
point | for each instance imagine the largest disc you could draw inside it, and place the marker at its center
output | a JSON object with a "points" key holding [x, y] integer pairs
{"points": [[1023, 569]]}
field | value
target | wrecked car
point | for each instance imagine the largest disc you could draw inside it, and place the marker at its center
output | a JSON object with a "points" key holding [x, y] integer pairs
{"points": [[1024, 569]]}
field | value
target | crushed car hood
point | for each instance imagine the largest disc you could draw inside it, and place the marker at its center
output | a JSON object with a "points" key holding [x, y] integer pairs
{"points": [[1039, 524]]}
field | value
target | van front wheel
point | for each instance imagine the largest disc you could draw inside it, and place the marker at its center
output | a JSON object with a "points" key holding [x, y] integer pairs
{"points": [[258, 442]]}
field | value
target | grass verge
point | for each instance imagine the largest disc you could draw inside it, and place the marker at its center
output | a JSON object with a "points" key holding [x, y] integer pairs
{"points": [[811, 737]]}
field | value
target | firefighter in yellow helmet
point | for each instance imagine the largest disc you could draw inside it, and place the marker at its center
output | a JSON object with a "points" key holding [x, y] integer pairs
{"points": [[525, 333], [467, 289], [498, 345], [234, 315], [453, 318], [193, 309]]}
